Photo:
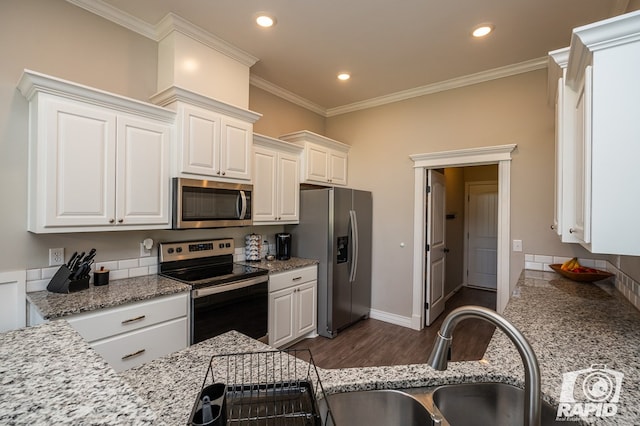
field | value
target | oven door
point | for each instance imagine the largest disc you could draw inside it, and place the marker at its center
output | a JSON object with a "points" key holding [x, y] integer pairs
{"points": [[239, 305]]}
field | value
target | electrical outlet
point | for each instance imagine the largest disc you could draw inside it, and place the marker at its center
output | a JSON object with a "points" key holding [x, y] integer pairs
{"points": [[56, 256], [143, 251], [517, 245]]}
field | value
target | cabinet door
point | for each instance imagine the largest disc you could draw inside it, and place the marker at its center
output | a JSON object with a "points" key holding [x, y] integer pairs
{"points": [[337, 168], [317, 164], [200, 148], [281, 317], [288, 188], [79, 145], [581, 226], [264, 185], [142, 172], [306, 308], [235, 153]]}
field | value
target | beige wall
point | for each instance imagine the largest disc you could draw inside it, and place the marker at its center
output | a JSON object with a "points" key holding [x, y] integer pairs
{"points": [[57, 38], [280, 117], [505, 111]]}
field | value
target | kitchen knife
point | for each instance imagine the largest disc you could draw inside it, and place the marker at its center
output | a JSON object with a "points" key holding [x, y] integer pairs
{"points": [[71, 259], [74, 265]]}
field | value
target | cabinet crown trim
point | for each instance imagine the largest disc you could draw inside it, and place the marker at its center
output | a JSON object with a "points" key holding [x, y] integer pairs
{"points": [[303, 136], [269, 142], [179, 94], [32, 83], [597, 36]]}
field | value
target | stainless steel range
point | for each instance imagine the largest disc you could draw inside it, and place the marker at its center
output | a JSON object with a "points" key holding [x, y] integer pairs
{"points": [[224, 295]]}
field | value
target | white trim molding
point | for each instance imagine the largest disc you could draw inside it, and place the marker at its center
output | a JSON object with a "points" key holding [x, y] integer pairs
{"points": [[391, 318], [500, 155]]}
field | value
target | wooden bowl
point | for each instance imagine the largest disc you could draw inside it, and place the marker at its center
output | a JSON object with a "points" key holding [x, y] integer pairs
{"points": [[585, 277]]}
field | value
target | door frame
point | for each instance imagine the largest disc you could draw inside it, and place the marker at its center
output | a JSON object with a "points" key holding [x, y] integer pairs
{"points": [[500, 155], [467, 186]]}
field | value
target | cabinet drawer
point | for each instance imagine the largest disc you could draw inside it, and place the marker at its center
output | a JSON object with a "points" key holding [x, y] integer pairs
{"points": [[140, 346], [287, 279], [112, 321]]}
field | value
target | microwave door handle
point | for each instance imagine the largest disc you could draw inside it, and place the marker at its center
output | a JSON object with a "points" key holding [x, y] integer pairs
{"points": [[242, 211]]}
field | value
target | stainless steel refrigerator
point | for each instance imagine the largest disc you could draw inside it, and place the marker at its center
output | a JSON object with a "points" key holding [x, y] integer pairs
{"points": [[335, 228]]}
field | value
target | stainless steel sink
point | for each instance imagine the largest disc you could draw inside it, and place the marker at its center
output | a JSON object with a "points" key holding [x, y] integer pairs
{"points": [[477, 404], [376, 408]]}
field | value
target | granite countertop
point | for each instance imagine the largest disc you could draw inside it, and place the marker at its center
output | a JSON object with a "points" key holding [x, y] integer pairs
{"points": [[56, 305], [49, 375], [570, 326], [274, 266]]}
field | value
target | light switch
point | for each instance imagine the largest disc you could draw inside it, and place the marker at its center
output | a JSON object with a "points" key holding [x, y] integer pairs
{"points": [[517, 245]]}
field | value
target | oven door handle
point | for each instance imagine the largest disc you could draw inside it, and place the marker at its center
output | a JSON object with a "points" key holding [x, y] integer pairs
{"points": [[236, 285]]}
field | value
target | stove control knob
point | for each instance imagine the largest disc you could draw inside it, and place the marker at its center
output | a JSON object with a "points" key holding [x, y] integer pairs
{"points": [[221, 245], [179, 250], [170, 250]]}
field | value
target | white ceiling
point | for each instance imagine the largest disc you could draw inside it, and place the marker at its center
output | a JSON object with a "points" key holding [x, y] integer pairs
{"points": [[389, 46]]}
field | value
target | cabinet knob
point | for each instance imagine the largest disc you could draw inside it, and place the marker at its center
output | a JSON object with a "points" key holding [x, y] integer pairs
{"points": [[218, 172], [571, 230], [112, 220], [224, 173], [120, 220]]}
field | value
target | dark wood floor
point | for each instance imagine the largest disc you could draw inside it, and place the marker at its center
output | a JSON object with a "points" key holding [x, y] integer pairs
{"points": [[371, 342]]}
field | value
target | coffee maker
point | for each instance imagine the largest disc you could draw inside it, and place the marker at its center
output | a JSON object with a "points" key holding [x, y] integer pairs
{"points": [[283, 246]]}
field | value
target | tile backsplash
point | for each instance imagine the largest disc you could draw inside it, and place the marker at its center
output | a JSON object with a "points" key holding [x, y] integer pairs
{"points": [[38, 279], [626, 285]]}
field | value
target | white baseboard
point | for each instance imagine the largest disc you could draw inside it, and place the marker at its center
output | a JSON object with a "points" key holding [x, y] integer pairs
{"points": [[391, 318], [454, 291]]}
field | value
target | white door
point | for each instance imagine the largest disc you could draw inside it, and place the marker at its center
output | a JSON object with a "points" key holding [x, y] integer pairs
{"points": [[200, 141], [236, 141], [435, 253], [482, 235], [80, 164], [288, 187], [142, 172], [264, 184]]}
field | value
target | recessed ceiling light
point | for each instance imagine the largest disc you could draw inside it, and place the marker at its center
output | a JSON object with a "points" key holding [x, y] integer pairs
{"points": [[265, 20], [482, 30], [344, 76]]}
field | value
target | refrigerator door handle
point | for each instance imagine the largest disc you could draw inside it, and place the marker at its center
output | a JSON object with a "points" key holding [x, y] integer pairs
{"points": [[353, 218]]}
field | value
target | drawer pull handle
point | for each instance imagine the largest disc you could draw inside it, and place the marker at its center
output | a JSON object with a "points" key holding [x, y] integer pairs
{"points": [[296, 278], [140, 352], [141, 317]]}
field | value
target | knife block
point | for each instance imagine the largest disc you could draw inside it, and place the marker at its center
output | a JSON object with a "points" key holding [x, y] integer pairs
{"points": [[61, 282]]}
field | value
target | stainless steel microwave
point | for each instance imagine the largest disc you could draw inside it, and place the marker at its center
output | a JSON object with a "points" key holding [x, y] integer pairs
{"points": [[210, 204]]}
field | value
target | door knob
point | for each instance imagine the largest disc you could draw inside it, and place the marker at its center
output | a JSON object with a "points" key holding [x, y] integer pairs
{"points": [[446, 250]]}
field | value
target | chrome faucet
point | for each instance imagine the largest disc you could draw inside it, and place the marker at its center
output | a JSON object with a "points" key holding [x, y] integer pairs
{"points": [[439, 355]]}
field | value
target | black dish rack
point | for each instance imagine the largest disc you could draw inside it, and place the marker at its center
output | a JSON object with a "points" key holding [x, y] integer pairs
{"points": [[268, 388]]}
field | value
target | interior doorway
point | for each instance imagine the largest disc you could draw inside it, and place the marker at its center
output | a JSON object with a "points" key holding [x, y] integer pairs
{"points": [[481, 235], [500, 155]]}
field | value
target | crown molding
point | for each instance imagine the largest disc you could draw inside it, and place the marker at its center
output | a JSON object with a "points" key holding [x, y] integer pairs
{"points": [[117, 16], [167, 24], [173, 94], [32, 83], [172, 22], [455, 83], [285, 94]]}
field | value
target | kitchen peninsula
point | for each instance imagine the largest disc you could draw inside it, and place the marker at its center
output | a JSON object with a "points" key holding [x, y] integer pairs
{"points": [[50, 374]]}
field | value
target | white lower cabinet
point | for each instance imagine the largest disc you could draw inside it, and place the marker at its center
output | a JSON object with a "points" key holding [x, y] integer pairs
{"points": [[135, 333], [292, 305]]}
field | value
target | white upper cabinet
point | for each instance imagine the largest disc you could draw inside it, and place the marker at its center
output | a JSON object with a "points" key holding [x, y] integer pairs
{"points": [[324, 160], [214, 139], [97, 161], [276, 187], [599, 126]]}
